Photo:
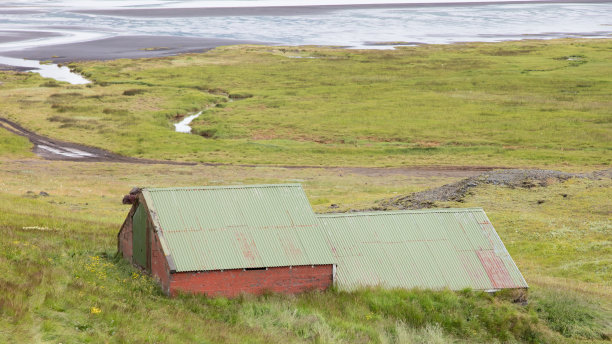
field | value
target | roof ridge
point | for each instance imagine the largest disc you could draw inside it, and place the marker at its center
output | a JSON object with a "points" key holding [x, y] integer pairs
{"points": [[213, 187], [396, 212]]}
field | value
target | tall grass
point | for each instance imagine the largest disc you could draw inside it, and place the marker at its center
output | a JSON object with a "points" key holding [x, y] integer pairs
{"points": [[13, 146], [60, 280], [570, 314]]}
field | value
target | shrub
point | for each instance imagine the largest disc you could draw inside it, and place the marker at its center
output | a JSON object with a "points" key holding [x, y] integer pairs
{"points": [[240, 95], [110, 111], [133, 92], [206, 132], [50, 83]]}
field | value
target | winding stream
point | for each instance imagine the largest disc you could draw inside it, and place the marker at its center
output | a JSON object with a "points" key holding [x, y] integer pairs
{"points": [[183, 126]]}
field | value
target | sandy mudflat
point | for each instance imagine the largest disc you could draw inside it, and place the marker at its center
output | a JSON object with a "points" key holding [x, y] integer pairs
{"points": [[294, 10], [14, 36], [4, 67], [122, 47], [16, 10]]}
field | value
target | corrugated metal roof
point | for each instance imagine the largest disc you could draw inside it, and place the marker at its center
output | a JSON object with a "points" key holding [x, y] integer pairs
{"points": [[230, 227], [435, 249]]}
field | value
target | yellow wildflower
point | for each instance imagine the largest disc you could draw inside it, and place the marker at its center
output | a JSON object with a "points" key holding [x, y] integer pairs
{"points": [[95, 310]]}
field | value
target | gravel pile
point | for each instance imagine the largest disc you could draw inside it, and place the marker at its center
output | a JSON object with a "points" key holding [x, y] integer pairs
{"points": [[514, 178]]}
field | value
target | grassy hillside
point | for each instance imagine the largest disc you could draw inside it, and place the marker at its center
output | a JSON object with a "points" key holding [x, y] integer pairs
{"points": [[529, 103], [437, 105], [61, 282], [13, 146]]}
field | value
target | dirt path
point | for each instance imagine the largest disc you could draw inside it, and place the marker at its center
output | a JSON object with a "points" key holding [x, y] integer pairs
{"points": [[53, 149]]}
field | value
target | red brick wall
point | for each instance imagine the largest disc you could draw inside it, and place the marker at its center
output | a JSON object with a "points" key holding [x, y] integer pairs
{"points": [[159, 265], [231, 283], [125, 236], [227, 283]]}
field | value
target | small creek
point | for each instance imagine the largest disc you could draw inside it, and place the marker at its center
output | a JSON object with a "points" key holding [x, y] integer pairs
{"points": [[183, 126], [50, 70]]}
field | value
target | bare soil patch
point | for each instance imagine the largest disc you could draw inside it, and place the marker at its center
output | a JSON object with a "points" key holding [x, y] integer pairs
{"points": [[123, 47], [4, 67], [456, 192]]}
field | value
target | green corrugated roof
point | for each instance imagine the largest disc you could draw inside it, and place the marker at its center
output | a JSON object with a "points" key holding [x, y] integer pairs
{"points": [[435, 249], [230, 227]]}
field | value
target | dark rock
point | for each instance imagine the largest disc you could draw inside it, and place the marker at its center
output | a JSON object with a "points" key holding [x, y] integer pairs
{"points": [[512, 178], [43, 193]]}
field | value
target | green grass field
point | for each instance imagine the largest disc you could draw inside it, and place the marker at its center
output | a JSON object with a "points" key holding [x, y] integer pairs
{"points": [[504, 104], [427, 105], [61, 282]]}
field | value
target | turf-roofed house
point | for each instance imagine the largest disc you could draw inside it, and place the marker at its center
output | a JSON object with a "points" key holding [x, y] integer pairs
{"points": [[227, 240], [249, 239]]}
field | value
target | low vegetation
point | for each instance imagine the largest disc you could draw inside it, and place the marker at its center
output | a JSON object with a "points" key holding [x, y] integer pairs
{"points": [[426, 105], [12, 145], [60, 278]]}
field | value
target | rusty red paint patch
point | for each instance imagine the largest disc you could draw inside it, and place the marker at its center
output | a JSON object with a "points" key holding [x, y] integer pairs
{"points": [[289, 248], [496, 270], [470, 266], [247, 245]]}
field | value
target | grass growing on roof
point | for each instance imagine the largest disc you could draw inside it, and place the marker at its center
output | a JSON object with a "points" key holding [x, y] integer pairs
{"points": [[433, 104]]}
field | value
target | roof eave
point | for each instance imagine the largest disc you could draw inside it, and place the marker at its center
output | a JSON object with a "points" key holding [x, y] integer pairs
{"points": [[158, 230]]}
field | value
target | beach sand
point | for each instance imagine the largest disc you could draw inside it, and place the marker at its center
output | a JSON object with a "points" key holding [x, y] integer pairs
{"points": [[122, 47], [144, 46], [295, 10], [16, 36], [4, 67]]}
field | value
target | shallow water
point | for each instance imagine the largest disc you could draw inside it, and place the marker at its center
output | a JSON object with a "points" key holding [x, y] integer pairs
{"points": [[358, 28], [68, 152], [347, 27], [183, 126], [46, 70]]}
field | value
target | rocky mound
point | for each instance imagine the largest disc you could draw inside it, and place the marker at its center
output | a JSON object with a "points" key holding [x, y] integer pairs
{"points": [[514, 178]]}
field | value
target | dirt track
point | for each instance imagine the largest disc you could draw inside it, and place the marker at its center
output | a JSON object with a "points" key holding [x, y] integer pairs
{"points": [[53, 149]]}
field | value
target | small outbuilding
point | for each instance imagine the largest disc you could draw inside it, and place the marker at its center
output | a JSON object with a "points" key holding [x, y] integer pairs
{"points": [[227, 240]]}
